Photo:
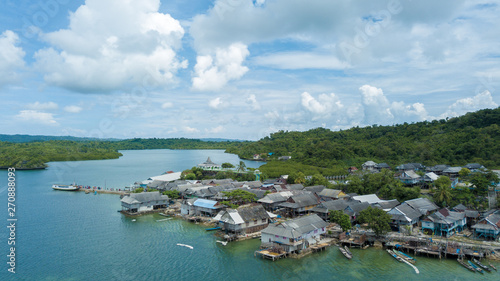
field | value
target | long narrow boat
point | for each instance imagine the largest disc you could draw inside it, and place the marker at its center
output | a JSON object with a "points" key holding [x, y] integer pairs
{"points": [[400, 259], [404, 257], [476, 267], [481, 265], [71, 187], [492, 266], [343, 251], [348, 251], [466, 265], [407, 256], [394, 255]]}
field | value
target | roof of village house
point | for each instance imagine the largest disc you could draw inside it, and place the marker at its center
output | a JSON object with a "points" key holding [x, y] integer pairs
{"points": [[258, 192], [404, 212], [295, 186], [333, 205], [296, 227], [432, 176], [354, 208], [445, 216], [204, 203], [252, 212], [382, 166], [437, 168], [490, 222], [252, 184], [473, 214], [315, 188], [369, 164], [331, 193], [273, 198], [370, 198], [243, 214], [300, 201], [410, 174], [423, 205], [452, 170], [143, 197], [387, 205], [474, 166], [459, 208]]}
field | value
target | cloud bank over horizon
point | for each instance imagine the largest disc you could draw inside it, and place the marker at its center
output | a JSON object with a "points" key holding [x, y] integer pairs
{"points": [[242, 69]]}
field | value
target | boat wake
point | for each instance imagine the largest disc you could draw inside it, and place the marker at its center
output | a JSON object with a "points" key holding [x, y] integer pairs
{"points": [[184, 245]]}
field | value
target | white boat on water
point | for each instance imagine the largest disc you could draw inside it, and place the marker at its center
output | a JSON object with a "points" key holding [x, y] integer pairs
{"points": [[71, 187], [184, 245]]}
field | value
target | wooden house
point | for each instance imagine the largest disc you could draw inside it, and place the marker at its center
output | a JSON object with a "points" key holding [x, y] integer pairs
{"points": [[143, 202], [444, 223], [245, 219], [294, 235], [489, 227]]}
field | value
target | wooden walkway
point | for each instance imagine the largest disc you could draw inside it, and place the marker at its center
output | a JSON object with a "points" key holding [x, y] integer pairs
{"points": [[268, 254]]}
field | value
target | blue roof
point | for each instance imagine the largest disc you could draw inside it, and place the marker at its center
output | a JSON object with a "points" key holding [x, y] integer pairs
{"points": [[204, 203]]}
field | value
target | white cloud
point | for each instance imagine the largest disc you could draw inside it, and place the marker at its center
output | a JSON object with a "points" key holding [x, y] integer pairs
{"points": [[378, 109], [43, 106], [213, 73], [252, 100], [190, 130], [11, 57], [301, 60], [73, 109], [460, 107], [376, 106], [37, 117], [409, 113], [113, 44], [167, 105], [215, 130], [216, 103], [324, 106]]}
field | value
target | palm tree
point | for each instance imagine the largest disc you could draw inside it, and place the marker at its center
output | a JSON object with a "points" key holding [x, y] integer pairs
{"points": [[443, 195], [241, 167]]}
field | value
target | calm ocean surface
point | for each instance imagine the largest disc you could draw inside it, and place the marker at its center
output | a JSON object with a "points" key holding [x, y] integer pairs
{"points": [[78, 236]]}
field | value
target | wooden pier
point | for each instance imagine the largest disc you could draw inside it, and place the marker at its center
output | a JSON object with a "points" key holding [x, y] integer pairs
{"points": [[270, 254]]}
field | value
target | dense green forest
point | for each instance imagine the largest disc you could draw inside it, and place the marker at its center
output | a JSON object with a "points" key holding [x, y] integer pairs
{"points": [[35, 155], [473, 137]]}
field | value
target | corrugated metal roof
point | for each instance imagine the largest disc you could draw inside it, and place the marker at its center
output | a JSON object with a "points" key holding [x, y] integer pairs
{"points": [[369, 198], [204, 203], [296, 227]]}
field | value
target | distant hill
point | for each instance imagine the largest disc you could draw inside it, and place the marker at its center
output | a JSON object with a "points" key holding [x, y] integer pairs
{"points": [[473, 137], [221, 140], [31, 138]]}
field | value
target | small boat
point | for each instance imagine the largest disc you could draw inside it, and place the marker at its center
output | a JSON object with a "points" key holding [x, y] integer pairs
{"points": [[492, 266], [167, 219], [476, 267], [348, 251], [481, 265], [466, 265], [222, 242], [162, 214], [344, 252], [404, 257], [134, 220], [213, 228], [71, 187], [184, 245], [394, 255]]}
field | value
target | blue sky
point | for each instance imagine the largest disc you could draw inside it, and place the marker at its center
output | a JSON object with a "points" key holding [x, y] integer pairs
{"points": [[241, 69]]}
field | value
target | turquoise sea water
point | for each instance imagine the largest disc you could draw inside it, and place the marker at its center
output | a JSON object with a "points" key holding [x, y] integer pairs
{"points": [[78, 236]]}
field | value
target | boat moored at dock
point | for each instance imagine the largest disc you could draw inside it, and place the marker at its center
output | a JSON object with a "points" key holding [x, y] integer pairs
{"points": [[71, 187]]}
